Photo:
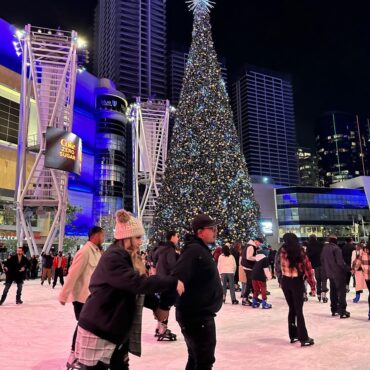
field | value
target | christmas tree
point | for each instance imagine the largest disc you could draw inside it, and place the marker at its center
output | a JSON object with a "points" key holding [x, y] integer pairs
{"points": [[206, 171]]}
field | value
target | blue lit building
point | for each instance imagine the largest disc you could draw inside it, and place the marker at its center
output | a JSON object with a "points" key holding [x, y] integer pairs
{"points": [[322, 211], [99, 119]]}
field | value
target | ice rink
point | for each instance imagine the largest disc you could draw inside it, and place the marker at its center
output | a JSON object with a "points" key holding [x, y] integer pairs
{"points": [[37, 335]]}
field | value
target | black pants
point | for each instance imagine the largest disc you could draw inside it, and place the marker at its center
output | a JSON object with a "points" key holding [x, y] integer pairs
{"points": [[249, 288], [77, 306], [348, 276], [119, 359], [321, 281], [368, 287], [8, 284], [338, 295], [293, 289], [58, 273], [200, 338], [272, 267]]}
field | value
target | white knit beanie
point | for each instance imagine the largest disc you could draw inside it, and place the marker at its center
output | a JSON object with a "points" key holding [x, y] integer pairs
{"points": [[127, 226]]}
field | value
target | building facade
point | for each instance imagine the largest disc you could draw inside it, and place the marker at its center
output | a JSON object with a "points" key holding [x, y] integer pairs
{"points": [[322, 211], [99, 118], [341, 146], [130, 46], [307, 168], [263, 108]]}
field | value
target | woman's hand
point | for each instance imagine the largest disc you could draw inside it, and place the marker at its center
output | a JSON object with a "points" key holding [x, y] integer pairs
{"points": [[180, 287]]}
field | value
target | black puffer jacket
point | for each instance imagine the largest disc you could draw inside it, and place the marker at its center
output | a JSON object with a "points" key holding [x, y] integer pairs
{"points": [[314, 249], [166, 259], [197, 269], [109, 310]]}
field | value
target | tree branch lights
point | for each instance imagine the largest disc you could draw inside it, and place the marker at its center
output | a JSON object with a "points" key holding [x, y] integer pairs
{"points": [[206, 171]]}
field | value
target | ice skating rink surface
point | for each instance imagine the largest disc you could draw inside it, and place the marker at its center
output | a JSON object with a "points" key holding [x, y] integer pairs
{"points": [[37, 336]]}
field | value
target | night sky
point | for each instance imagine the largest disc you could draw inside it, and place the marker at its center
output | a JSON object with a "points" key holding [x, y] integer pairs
{"points": [[324, 45]]}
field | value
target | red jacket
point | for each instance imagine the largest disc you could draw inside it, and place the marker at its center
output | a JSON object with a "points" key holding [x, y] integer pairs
{"points": [[64, 262]]}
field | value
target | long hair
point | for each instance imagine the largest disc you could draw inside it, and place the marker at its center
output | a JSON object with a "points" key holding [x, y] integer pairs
{"points": [[293, 250], [137, 262]]}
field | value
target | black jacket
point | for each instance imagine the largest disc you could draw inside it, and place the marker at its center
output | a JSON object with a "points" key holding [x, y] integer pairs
{"points": [[314, 249], [166, 259], [14, 266], [109, 310], [236, 255], [332, 262], [47, 261], [347, 250], [197, 269]]}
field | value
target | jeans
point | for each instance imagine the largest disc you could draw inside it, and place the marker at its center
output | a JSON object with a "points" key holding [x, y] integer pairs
{"points": [[228, 278], [200, 338], [293, 289], [338, 301], [8, 284], [77, 306], [58, 273], [321, 281]]}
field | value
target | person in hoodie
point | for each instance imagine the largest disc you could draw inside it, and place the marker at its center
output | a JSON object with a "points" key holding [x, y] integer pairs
{"points": [[109, 326], [166, 257], [347, 250], [227, 268], [260, 273], [336, 270], [197, 307]]}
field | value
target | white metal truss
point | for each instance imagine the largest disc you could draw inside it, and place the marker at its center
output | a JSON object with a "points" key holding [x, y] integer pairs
{"points": [[49, 69], [150, 125]]}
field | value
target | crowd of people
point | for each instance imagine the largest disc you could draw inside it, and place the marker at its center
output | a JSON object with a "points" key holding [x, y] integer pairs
{"points": [[115, 285]]}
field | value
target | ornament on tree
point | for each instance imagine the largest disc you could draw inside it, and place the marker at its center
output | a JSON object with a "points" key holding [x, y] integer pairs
{"points": [[205, 171]]}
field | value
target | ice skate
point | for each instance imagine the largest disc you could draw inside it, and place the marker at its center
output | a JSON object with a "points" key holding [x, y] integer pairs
{"points": [[324, 297], [305, 298], [357, 298], [167, 335], [345, 315], [265, 305], [255, 303], [307, 342]]}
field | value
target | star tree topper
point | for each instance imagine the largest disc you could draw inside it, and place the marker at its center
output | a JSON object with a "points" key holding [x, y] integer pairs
{"points": [[195, 5]]}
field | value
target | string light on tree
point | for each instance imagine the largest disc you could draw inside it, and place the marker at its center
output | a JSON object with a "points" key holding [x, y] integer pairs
{"points": [[206, 171]]}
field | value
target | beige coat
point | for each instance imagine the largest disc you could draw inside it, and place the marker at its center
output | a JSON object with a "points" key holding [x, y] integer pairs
{"points": [[76, 286]]}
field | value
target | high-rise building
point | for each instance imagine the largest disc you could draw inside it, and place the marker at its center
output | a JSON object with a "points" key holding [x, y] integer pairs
{"points": [[130, 46], [341, 147], [262, 103], [177, 61], [307, 167]]}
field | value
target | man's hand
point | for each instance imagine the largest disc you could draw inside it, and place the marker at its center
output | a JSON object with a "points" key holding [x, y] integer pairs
{"points": [[180, 287], [22, 269], [161, 315]]}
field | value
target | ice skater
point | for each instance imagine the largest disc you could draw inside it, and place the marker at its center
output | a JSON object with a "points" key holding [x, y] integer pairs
{"points": [[76, 288], [260, 274], [15, 269], [358, 276], [109, 326], [336, 270], [291, 268], [166, 261], [362, 263], [227, 268], [59, 264]]}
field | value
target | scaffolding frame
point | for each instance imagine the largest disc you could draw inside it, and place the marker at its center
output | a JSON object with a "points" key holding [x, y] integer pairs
{"points": [[150, 127], [49, 68]]}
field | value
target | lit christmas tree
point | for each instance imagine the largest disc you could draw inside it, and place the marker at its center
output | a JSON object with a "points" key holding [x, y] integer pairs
{"points": [[206, 171]]}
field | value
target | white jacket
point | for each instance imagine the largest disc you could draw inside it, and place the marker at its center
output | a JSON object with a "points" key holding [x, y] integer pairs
{"points": [[76, 286], [226, 264]]}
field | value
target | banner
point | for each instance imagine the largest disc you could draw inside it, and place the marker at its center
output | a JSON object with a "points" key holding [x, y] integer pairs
{"points": [[63, 150]]}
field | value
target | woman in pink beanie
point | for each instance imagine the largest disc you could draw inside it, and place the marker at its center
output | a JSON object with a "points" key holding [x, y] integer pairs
{"points": [[109, 326]]}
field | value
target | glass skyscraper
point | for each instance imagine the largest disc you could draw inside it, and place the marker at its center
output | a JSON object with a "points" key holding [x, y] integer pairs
{"points": [[262, 103]]}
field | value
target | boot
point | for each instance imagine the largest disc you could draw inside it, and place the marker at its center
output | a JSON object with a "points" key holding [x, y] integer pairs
{"points": [[235, 301], [293, 333], [255, 303], [224, 299], [319, 297], [266, 305], [357, 298], [165, 333], [246, 302], [347, 288], [305, 298], [307, 342]]}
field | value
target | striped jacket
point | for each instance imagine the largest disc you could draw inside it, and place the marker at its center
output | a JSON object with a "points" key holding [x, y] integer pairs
{"points": [[363, 262]]}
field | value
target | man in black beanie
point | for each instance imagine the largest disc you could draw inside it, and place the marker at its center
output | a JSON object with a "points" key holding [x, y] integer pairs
{"points": [[197, 307]]}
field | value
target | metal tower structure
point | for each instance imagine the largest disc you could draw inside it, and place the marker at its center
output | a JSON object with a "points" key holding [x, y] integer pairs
{"points": [[150, 122], [49, 69]]}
